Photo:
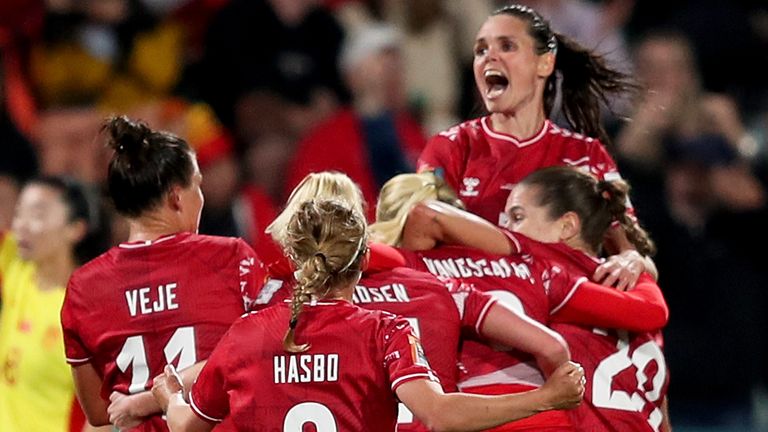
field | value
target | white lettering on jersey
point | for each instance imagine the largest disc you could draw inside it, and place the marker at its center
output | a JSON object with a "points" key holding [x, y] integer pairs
{"points": [[468, 267], [470, 183], [394, 293], [305, 368], [140, 300]]}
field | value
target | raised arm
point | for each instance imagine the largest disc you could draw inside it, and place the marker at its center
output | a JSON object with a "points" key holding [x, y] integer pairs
{"points": [[433, 222]]}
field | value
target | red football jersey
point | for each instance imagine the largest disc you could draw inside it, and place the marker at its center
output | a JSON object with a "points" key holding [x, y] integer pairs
{"points": [[528, 287], [438, 311], [143, 305], [346, 381], [483, 165], [626, 373]]}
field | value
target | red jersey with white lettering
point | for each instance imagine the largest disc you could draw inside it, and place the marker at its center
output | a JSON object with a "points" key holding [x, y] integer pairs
{"points": [[626, 372], [345, 381], [143, 305], [438, 310], [528, 287], [483, 165]]}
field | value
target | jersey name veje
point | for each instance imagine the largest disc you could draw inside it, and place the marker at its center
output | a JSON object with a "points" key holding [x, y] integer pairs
{"points": [[142, 301]]}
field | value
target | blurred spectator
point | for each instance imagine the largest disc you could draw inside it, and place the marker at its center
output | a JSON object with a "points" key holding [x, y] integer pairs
{"points": [[374, 138], [113, 53], [697, 194], [271, 64]]}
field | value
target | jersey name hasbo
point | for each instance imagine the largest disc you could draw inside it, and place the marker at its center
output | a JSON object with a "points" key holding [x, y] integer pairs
{"points": [[305, 368]]}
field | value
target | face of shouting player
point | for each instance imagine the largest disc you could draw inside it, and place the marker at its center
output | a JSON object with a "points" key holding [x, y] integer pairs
{"points": [[509, 74]]}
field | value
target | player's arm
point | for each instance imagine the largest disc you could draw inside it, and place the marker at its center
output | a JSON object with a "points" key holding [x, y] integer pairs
{"points": [[624, 267], [88, 389], [168, 391], [506, 327], [467, 412], [641, 309], [433, 222], [128, 411]]}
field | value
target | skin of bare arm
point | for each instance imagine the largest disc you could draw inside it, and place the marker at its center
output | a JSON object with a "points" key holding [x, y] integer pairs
{"points": [[168, 393], [547, 346], [437, 410], [467, 412], [431, 222], [128, 411], [88, 388]]}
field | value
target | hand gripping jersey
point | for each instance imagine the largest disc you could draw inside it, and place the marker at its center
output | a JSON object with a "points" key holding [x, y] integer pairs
{"points": [[626, 373], [438, 311], [528, 287], [346, 381], [143, 305], [483, 165]]}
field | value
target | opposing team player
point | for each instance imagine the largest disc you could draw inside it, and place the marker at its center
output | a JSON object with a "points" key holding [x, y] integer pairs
{"points": [[570, 210], [338, 367], [165, 296], [519, 65]]}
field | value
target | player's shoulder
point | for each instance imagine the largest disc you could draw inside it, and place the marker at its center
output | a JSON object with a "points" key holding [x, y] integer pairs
{"points": [[215, 242], [555, 131], [96, 267], [462, 132]]}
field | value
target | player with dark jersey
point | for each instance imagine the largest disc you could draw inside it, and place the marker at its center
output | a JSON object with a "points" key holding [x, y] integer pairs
{"points": [[339, 367], [166, 296]]}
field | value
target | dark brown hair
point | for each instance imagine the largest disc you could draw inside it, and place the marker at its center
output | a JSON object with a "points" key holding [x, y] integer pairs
{"points": [[145, 164], [326, 240], [586, 79], [597, 203]]}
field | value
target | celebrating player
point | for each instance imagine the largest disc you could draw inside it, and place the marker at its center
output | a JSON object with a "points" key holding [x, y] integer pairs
{"points": [[518, 60], [165, 296], [338, 367], [571, 211]]}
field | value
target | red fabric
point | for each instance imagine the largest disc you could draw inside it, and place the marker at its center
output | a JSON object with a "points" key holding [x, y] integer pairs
{"points": [[627, 377], [76, 417], [641, 309], [375, 351], [482, 165], [215, 278], [384, 257], [338, 145]]}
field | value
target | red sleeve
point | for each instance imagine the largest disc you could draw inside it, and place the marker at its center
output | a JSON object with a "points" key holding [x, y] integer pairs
{"points": [[251, 273], [443, 151], [384, 257], [641, 309], [473, 305], [404, 357], [74, 348], [208, 397]]}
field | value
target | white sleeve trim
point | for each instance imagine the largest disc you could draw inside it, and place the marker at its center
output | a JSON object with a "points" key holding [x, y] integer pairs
{"points": [[201, 413], [80, 360], [427, 375], [513, 238], [576, 285], [482, 315]]}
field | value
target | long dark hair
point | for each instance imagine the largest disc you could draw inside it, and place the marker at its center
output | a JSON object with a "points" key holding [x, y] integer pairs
{"points": [[598, 203], [145, 165], [586, 79]]}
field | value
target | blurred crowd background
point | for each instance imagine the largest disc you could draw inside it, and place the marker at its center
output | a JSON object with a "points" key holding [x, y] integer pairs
{"points": [[267, 91]]}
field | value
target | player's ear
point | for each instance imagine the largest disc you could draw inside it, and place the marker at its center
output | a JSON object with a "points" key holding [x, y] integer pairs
{"points": [[366, 260], [173, 198], [570, 226]]}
